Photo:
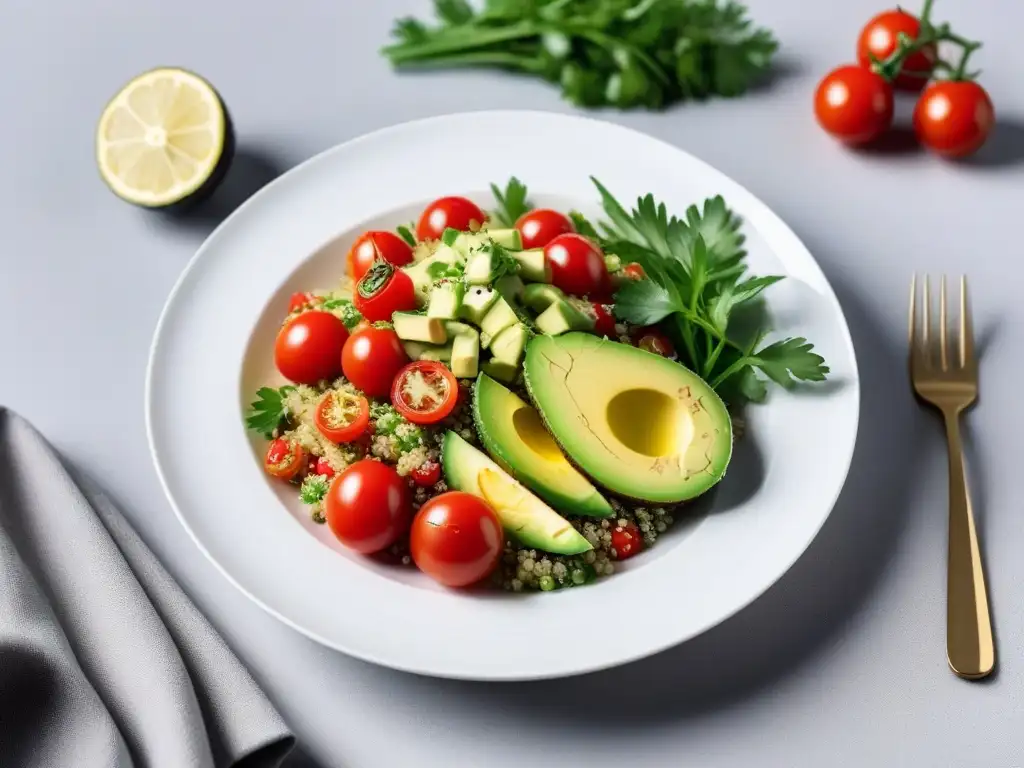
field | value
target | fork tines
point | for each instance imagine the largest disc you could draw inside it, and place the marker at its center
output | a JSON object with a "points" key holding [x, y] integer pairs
{"points": [[923, 348]]}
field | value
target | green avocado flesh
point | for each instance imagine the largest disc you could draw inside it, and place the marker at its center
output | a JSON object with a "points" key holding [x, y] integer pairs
{"points": [[514, 435], [524, 516], [636, 423]]}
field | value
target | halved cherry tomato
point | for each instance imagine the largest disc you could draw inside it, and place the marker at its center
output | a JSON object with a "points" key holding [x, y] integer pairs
{"points": [[953, 117], [342, 416], [604, 321], [455, 212], [653, 340], [322, 467], [427, 474], [372, 358], [456, 538], [542, 225], [879, 39], [634, 271], [854, 104], [308, 347], [382, 291], [425, 392], [301, 300], [377, 244], [284, 459], [368, 506], [577, 266], [627, 541]]}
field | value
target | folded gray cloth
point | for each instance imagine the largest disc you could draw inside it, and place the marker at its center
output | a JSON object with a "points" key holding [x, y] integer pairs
{"points": [[104, 662]]}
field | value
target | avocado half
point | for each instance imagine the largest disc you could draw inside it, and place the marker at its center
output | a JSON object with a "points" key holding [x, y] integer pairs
{"points": [[642, 426], [515, 436]]}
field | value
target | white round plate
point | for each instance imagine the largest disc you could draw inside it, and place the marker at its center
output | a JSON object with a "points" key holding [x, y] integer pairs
{"points": [[213, 348]]}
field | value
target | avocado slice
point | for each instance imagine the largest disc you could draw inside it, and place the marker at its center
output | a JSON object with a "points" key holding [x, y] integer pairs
{"points": [[499, 370], [561, 317], [638, 424], [522, 514], [514, 435], [540, 296], [410, 326]]}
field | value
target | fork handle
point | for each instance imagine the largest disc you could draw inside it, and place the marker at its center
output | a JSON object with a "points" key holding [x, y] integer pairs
{"points": [[969, 645]]}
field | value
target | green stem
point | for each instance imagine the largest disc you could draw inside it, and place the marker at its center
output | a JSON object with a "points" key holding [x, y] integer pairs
{"points": [[736, 367], [961, 68], [709, 364], [471, 59], [611, 45], [926, 13], [459, 39], [686, 333]]}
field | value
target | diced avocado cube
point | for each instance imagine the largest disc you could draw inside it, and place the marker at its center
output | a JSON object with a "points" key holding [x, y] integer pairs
{"points": [[500, 371], [510, 287], [482, 268], [498, 318], [539, 296], [562, 317], [506, 238], [466, 356], [475, 304], [414, 349], [425, 273], [468, 242], [533, 266], [413, 327], [446, 299], [508, 346], [441, 353], [455, 328]]}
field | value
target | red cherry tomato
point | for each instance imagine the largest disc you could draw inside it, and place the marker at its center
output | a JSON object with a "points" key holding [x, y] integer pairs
{"points": [[382, 291], [377, 244], [301, 300], [284, 459], [368, 506], [542, 225], [308, 347], [627, 541], [456, 539], [604, 321], [634, 271], [854, 104], [455, 212], [653, 340], [372, 358], [323, 468], [879, 39], [953, 118], [342, 417], [427, 474], [577, 266], [425, 392]]}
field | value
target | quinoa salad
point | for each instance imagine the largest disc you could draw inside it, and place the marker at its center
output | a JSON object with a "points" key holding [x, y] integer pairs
{"points": [[491, 396]]}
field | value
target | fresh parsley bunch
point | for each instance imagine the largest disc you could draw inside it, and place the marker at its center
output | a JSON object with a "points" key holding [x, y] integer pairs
{"points": [[619, 53], [696, 284]]}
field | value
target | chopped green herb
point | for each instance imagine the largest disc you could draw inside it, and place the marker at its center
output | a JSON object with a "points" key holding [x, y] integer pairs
{"points": [[450, 235], [512, 203], [406, 234], [345, 310], [313, 489], [268, 410]]}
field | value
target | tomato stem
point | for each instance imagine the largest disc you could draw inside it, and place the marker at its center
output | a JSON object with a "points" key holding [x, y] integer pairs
{"points": [[929, 35]]}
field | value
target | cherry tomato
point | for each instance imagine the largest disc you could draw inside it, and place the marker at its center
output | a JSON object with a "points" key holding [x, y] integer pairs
{"points": [[323, 468], [854, 104], [382, 291], [377, 244], [953, 118], [634, 271], [342, 417], [653, 340], [542, 225], [284, 459], [627, 541], [879, 39], [455, 212], [368, 506], [308, 347], [604, 321], [456, 539], [427, 474], [425, 392], [577, 266], [301, 300], [372, 358]]}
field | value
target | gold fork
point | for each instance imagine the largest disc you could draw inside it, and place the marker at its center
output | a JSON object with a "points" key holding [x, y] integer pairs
{"points": [[950, 383]]}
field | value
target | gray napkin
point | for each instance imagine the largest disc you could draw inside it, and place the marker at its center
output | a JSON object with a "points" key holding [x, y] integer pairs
{"points": [[104, 662]]}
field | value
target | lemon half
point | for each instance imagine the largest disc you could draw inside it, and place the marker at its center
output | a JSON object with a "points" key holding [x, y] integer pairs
{"points": [[163, 138]]}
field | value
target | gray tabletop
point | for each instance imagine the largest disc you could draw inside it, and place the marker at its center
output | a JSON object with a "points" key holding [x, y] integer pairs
{"points": [[841, 663]]}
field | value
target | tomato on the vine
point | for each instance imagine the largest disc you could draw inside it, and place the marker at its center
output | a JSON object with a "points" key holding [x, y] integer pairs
{"points": [[577, 266], [372, 358], [456, 539], [427, 474], [308, 347], [627, 541], [342, 416], [854, 104], [455, 212], [953, 117], [425, 392], [377, 244], [382, 291], [284, 459], [540, 226], [880, 38], [368, 506]]}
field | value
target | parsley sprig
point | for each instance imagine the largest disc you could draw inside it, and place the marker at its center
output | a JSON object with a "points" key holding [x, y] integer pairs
{"points": [[619, 53], [268, 410], [696, 283], [512, 203]]}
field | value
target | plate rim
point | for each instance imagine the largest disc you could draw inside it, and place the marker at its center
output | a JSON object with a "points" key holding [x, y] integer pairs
{"points": [[497, 675]]}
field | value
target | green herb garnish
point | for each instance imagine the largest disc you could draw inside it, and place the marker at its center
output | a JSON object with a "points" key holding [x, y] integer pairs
{"points": [[268, 410], [345, 310], [619, 53], [313, 489], [376, 277], [406, 234], [450, 235], [512, 203]]}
